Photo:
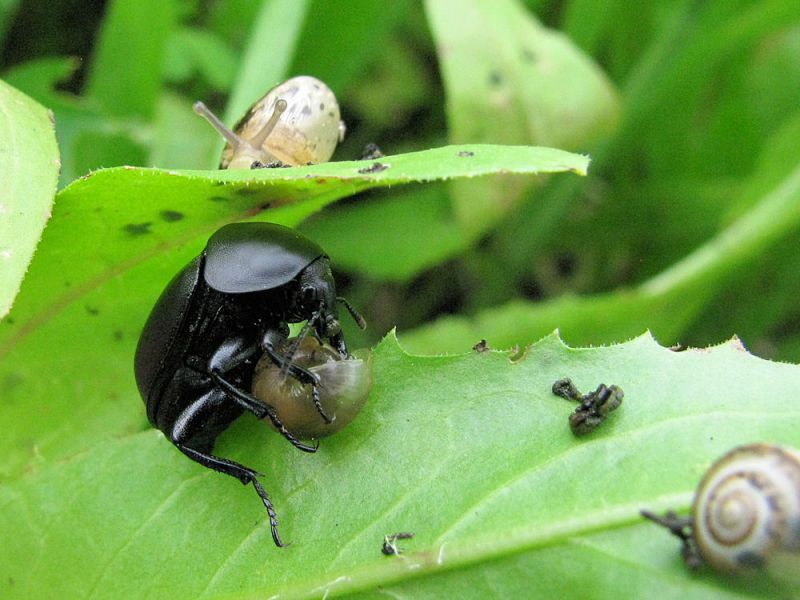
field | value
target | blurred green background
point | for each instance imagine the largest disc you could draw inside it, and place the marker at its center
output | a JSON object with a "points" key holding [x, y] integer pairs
{"points": [[687, 223]]}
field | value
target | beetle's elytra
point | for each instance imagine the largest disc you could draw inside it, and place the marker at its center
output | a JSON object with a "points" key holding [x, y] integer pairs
{"points": [[223, 311]]}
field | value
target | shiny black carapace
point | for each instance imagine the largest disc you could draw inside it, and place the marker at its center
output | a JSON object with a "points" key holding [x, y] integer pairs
{"points": [[221, 313]]}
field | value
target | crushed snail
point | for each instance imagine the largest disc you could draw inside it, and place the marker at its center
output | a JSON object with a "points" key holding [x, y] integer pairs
{"points": [[296, 123], [593, 408], [344, 385], [745, 514]]}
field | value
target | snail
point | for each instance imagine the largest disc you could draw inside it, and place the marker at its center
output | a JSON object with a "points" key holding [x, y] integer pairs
{"points": [[344, 387], [745, 514], [295, 123]]}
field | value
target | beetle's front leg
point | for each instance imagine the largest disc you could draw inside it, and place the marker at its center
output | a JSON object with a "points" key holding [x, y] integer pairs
{"points": [[232, 353], [272, 339]]}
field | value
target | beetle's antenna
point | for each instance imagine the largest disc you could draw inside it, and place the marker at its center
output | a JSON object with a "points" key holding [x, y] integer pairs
{"points": [[201, 109], [297, 341], [362, 324], [280, 107]]}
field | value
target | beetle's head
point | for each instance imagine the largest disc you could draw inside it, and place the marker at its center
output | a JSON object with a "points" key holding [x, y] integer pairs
{"points": [[317, 296], [317, 302]]}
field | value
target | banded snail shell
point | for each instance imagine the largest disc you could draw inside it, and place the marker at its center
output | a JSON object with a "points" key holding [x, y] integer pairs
{"points": [[296, 123], [344, 387], [746, 510]]}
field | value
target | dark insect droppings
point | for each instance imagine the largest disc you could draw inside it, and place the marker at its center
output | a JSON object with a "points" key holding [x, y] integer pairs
{"points": [[481, 346], [376, 167], [390, 547]]}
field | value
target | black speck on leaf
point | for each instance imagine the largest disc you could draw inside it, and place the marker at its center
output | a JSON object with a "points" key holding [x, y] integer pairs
{"points": [[137, 228], [170, 216]]}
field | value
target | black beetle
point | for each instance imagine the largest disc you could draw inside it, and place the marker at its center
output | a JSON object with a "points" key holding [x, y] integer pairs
{"points": [[214, 320]]}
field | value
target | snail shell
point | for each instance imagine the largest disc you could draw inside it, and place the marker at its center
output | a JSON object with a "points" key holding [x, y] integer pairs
{"points": [[296, 123], [746, 511], [344, 388]]}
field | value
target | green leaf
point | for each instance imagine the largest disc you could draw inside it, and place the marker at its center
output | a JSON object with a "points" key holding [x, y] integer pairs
{"points": [[29, 166], [7, 10], [338, 50], [666, 303], [502, 499], [191, 51], [270, 47], [532, 86], [395, 233], [120, 234], [87, 137], [125, 75], [524, 105], [38, 78]]}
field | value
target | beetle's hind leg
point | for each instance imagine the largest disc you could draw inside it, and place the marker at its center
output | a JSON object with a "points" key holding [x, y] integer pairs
{"points": [[242, 473], [194, 431]]}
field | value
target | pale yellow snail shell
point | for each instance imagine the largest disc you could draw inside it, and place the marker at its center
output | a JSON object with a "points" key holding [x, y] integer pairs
{"points": [[746, 512], [344, 388], [304, 129]]}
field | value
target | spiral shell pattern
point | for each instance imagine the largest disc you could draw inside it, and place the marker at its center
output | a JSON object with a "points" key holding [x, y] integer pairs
{"points": [[747, 507]]}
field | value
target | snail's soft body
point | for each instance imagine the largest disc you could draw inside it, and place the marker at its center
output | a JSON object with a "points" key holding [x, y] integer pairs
{"points": [[746, 511], [344, 385], [296, 123]]}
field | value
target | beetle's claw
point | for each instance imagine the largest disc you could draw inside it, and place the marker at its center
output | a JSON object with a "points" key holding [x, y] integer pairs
{"points": [[318, 404], [273, 518], [304, 447]]}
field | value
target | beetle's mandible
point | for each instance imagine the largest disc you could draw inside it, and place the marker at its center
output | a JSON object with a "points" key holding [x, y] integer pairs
{"points": [[224, 310]]}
